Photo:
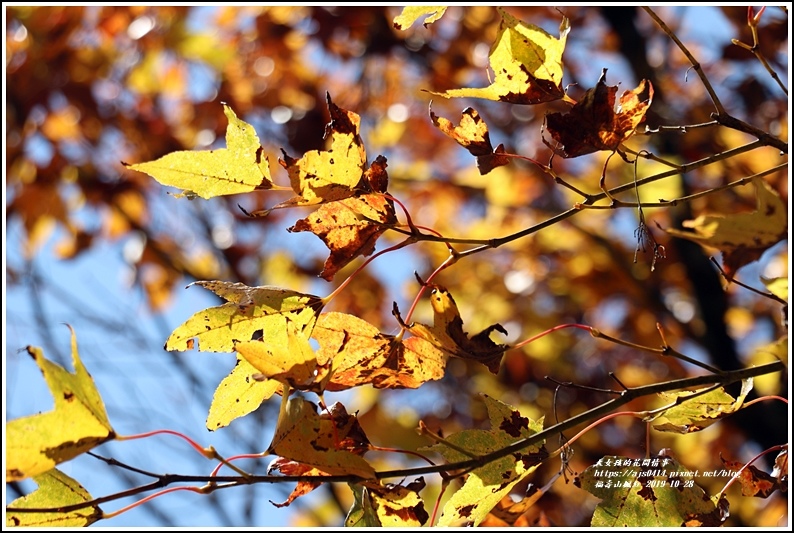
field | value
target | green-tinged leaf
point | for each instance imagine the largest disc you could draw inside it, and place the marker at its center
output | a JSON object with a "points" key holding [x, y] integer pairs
{"points": [[527, 64], [250, 312], [411, 14], [238, 168], [36, 444], [741, 238], [239, 394], [472, 134], [656, 492], [699, 412], [304, 436], [56, 489], [333, 174], [777, 286], [361, 514], [487, 485]]}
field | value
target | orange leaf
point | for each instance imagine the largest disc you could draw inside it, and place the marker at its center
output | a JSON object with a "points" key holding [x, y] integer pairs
{"points": [[595, 123], [363, 355], [349, 228], [447, 333], [472, 134]]}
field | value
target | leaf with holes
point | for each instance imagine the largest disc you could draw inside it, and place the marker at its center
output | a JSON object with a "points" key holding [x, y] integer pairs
{"points": [[743, 237], [597, 122], [333, 174], [250, 312], [527, 64], [238, 168], [485, 486], [472, 134], [36, 444]]}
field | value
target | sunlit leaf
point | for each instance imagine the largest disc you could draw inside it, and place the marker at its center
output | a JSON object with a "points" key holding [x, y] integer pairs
{"points": [[333, 174], [597, 122], [660, 494], [398, 505], [486, 486], [472, 134], [56, 489], [527, 64], [777, 286], [36, 444], [411, 14], [239, 168], [361, 355], [239, 394], [306, 437], [743, 237], [250, 313], [293, 362], [447, 333], [349, 228], [699, 412]]}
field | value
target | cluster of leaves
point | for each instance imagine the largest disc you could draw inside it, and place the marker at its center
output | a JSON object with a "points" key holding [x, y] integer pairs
{"points": [[287, 343]]}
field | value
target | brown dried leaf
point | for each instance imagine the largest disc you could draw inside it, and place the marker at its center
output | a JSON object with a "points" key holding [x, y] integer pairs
{"points": [[472, 134], [447, 333], [349, 228], [755, 482], [595, 123]]}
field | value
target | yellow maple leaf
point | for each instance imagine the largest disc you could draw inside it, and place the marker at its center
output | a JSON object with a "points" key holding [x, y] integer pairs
{"points": [[37, 443], [239, 394], [238, 168], [411, 14], [249, 312], [56, 489], [527, 64]]}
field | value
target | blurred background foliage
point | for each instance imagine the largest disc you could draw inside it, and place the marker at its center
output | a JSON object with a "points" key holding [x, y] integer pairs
{"points": [[89, 87]]}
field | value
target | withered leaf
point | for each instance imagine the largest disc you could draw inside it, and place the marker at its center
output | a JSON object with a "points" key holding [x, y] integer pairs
{"points": [[447, 333], [595, 122], [756, 482], [349, 228], [472, 134], [314, 440], [351, 438], [362, 355]]}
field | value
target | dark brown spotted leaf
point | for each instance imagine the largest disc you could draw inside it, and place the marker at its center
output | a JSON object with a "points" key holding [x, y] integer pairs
{"points": [[597, 121], [304, 436], [349, 228], [485, 487], [756, 482]]}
